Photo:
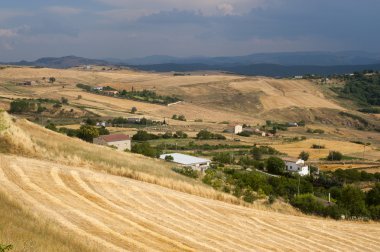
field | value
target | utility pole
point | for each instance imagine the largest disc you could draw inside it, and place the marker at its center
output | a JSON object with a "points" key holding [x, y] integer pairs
{"points": [[299, 181]]}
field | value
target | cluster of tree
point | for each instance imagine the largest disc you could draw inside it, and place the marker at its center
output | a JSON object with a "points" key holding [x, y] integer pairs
{"points": [[334, 156], [179, 117], [177, 134], [142, 135], [295, 139], [204, 147], [363, 88], [146, 149], [370, 110], [144, 95], [305, 193], [245, 133], [148, 96], [258, 152], [120, 121], [85, 87], [20, 106], [315, 131], [350, 201], [85, 132], [317, 146], [186, 171], [207, 135]]}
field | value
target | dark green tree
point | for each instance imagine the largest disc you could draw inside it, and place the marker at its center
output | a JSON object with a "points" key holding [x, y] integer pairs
{"points": [[87, 133], [275, 165], [304, 155], [334, 156]]}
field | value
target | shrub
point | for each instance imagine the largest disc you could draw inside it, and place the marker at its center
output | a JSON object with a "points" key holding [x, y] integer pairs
{"points": [[206, 135], [353, 199], [51, 126], [182, 118], [317, 146], [245, 134], [133, 110], [22, 106], [304, 155], [257, 153], [224, 158], [187, 171], [64, 100], [169, 158], [275, 165], [87, 133], [5, 247], [334, 156], [145, 149], [103, 131], [271, 199], [373, 196], [142, 135], [308, 203], [180, 134]]}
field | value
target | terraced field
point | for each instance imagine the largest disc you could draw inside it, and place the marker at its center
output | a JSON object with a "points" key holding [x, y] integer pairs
{"points": [[121, 214]]}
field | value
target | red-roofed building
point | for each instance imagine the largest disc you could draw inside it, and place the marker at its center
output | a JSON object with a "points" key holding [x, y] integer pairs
{"points": [[120, 141]]}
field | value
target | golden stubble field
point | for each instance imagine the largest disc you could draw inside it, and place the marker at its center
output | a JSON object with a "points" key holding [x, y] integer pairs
{"points": [[120, 214], [213, 97]]}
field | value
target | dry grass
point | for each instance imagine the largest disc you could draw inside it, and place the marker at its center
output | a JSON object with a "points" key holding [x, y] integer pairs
{"points": [[119, 214], [25, 138], [27, 232], [361, 167], [294, 149]]}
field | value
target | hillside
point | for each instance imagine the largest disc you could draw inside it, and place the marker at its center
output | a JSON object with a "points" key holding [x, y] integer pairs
{"points": [[65, 181]]}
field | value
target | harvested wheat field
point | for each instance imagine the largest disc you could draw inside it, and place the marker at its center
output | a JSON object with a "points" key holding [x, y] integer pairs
{"points": [[279, 94], [120, 214], [346, 148]]}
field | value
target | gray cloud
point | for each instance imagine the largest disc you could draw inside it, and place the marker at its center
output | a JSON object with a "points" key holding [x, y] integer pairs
{"points": [[130, 28]]}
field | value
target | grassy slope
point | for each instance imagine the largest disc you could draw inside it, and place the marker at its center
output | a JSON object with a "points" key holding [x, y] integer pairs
{"points": [[25, 138], [26, 232]]}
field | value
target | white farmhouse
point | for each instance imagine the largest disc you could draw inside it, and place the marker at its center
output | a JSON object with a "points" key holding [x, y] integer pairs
{"points": [[120, 141], [196, 163], [297, 166], [236, 129]]}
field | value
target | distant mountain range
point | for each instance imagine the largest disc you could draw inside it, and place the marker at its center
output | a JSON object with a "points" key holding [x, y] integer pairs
{"points": [[265, 64], [285, 58], [61, 62]]}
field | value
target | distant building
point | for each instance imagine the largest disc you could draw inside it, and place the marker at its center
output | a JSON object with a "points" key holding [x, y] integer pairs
{"points": [[111, 92], [298, 77], [120, 141], [103, 124], [292, 124], [236, 129], [196, 163], [134, 120], [26, 83], [97, 88], [297, 166]]}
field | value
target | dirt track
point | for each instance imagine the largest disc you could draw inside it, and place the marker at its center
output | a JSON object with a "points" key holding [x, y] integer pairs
{"points": [[122, 214]]}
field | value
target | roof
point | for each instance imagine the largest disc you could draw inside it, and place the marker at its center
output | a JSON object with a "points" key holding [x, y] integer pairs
{"points": [[114, 138], [295, 160], [185, 159]]}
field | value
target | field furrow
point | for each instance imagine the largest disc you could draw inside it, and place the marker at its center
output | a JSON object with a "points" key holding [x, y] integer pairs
{"points": [[121, 214]]}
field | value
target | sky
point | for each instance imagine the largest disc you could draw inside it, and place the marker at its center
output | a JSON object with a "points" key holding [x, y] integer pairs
{"points": [[123, 29]]}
